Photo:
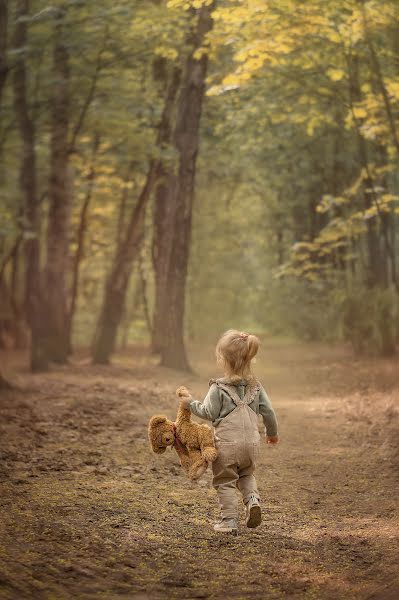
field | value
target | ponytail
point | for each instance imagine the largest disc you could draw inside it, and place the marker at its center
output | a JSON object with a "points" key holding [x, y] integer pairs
{"points": [[253, 346], [235, 350]]}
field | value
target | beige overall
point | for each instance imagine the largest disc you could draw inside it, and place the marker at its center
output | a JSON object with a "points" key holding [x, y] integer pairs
{"points": [[237, 440]]}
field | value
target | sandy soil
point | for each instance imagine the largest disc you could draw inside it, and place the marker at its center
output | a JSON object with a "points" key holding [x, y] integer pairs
{"points": [[87, 511]]}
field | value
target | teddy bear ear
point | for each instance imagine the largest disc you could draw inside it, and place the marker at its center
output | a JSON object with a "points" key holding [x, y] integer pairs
{"points": [[157, 420]]}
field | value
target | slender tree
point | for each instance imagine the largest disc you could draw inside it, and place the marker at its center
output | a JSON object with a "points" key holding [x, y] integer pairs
{"points": [[60, 199], [3, 44], [127, 250], [81, 235], [181, 194], [3, 75], [118, 280], [164, 215], [34, 300]]}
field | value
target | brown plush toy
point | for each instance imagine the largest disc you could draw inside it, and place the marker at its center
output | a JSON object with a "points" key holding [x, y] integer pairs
{"points": [[193, 443]]}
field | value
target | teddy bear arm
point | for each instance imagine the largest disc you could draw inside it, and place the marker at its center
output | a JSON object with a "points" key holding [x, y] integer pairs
{"points": [[183, 415], [194, 454], [206, 438], [207, 444]]}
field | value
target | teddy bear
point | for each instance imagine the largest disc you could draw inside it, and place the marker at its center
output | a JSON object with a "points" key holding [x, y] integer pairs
{"points": [[193, 443]]}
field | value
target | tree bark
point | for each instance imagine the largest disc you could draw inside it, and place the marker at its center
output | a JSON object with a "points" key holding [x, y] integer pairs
{"points": [[119, 277], [117, 283], [81, 234], [122, 212], [375, 64], [144, 295], [14, 325], [3, 44], [186, 139], [35, 309], [164, 215], [60, 198], [374, 268], [4, 69], [19, 324]]}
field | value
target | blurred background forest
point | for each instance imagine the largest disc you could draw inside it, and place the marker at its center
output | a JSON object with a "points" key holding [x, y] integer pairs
{"points": [[171, 169]]}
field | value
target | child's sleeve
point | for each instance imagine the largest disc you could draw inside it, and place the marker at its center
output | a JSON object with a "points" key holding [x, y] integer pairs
{"points": [[268, 414], [210, 408]]}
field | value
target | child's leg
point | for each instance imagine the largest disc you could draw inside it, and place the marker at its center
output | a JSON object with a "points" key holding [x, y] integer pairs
{"points": [[249, 490], [225, 477], [247, 485], [247, 482]]}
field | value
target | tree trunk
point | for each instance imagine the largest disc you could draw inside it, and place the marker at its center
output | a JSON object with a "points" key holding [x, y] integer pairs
{"points": [[19, 325], [373, 277], [60, 197], [3, 44], [4, 69], [186, 139], [122, 213], [163, 219], [35, 310], [375, 65], [164, 216], [117, 284], [81, 234], [119, 277], [17, 328], [11, 294]]}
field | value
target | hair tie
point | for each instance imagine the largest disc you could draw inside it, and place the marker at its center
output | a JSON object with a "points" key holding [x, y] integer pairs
{"points": [[244, 335]]}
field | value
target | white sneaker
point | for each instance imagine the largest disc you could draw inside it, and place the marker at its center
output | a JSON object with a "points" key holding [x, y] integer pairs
{"points": [[254, 515], [226, 526]]}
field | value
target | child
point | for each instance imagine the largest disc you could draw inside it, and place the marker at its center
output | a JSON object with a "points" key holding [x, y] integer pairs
{"points": [[233, 404]]}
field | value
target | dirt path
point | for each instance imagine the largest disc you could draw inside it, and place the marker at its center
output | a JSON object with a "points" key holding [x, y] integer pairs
{"points": [[87, 511]]}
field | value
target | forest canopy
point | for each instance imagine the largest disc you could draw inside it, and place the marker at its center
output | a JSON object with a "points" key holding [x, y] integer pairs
{"points": [[172, 169]]}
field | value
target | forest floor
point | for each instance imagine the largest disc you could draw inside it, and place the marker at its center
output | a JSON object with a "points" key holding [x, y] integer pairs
{"points": [[87, 511]]}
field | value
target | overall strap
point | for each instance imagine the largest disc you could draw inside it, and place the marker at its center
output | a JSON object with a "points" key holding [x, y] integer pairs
{"points": [[252, 389]]}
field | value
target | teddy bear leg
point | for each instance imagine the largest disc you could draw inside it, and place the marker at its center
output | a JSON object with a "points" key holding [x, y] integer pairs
{"points": [[209, 453], [197, 471], [184, 459], [198, 465], [185, 463], [207, 443]]}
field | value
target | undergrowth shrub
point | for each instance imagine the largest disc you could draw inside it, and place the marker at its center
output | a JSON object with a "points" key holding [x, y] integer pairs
{"points": [[370, 321]]}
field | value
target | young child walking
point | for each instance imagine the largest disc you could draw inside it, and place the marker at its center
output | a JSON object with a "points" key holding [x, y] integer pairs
{"points": [[233, 404]]}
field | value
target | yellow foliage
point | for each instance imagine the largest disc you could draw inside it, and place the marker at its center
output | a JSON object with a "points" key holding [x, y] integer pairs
{"points": [[165, 52], [186, 4], [388, 198], [359, 112], [335, 74], [200, 52], [393, 89]]}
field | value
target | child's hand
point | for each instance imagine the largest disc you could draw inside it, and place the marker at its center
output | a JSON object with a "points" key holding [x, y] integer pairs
{"points": [[184, 395], [271, 439]]}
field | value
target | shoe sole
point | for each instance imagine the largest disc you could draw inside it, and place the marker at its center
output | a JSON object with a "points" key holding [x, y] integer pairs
{"points": [[255, 517], [230, 530]]}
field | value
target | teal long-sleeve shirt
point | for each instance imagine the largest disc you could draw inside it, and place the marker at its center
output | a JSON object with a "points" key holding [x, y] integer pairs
{"points": [[218, 404]]}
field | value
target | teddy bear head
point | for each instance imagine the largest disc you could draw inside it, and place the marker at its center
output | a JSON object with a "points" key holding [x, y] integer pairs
{"points": [[161, 433]]}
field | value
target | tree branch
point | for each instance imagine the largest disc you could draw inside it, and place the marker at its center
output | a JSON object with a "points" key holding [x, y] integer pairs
{"points": [[90, 95]]}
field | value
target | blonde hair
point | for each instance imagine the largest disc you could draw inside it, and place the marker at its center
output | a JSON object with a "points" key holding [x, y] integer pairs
{"points": [[235, 350]]}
